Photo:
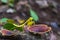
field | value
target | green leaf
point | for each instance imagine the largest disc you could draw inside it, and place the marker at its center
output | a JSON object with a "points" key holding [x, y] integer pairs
{"points": [[11, 3], [20, 28], [10, 21], [9, 26], [4, 20], [34, 15], [4, 1]]}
